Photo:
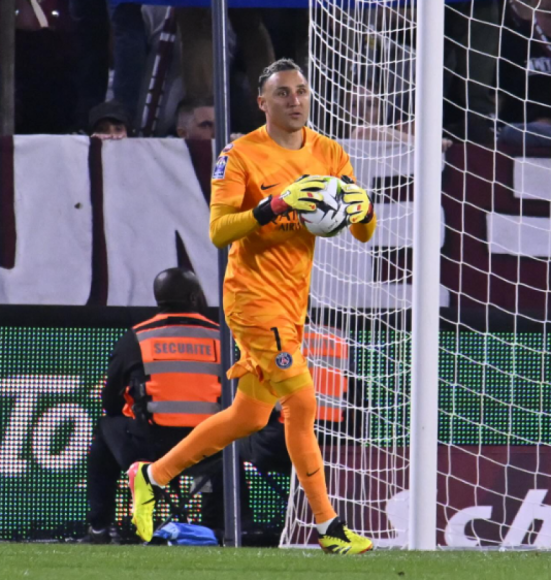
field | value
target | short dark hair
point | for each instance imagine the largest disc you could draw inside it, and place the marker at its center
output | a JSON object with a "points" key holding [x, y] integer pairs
{"points": [[179, 290], [186, 107], [277, 66], [188, 104]]}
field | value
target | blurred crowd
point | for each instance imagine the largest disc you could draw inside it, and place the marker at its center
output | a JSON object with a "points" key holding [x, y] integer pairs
{"points": [[123, 69], [497, 75], [145, 67]]}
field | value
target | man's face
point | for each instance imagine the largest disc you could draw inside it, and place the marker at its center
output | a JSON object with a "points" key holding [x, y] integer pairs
{"points": [[201, 125], [366, 107], [111, 127], [285, 99]]}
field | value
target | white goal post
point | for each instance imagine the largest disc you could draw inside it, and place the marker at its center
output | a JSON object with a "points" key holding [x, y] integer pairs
{"points": [[439, 434]]}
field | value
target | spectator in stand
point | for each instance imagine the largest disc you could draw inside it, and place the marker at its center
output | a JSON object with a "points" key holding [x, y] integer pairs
{"points": [[371, 48], [45, 92], [470, 56], [109, 120], [129, 54], [93, 21], [90, 20], [195, 119], [288, 29], [162, 85], [524, 74], [369, 111], [255, 48]]}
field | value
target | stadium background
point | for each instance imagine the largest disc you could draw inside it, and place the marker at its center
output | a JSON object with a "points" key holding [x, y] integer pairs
{"points": [[51, 374], [49, 405], [50, 387], [55, 357]]}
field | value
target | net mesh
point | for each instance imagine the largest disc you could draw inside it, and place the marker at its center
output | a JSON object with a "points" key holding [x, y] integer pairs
{"points": [[361, 70], [494, 367]]}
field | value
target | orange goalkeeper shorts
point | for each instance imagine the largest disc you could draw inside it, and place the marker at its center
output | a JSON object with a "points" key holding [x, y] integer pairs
{"points": [[270, 350]]}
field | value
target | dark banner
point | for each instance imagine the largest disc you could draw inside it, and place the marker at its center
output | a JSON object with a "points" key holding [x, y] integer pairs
{"points": [[497, 242]]}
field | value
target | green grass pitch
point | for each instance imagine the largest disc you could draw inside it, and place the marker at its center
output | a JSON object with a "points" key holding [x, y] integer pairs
{"points": [[73, 562]]}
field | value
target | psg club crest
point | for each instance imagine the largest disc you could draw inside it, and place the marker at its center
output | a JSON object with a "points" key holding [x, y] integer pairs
{"points": [[284, 360]]}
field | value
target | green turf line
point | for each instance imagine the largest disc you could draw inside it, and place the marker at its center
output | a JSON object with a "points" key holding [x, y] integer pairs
{"points": [[71, 562]]}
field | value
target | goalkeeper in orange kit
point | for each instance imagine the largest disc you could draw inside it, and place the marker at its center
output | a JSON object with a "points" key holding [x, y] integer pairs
{"points": [[266, 292]]}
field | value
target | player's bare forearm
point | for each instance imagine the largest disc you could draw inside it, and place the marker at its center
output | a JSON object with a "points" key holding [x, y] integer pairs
{"points": [[228, 224], [364, 232]]}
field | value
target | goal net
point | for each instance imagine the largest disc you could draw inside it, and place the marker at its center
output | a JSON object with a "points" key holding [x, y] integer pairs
{"points": [[494, 387]]}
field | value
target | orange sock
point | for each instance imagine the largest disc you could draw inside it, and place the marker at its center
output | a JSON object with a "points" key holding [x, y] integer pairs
{"points": [[245, 416], [299, 410]]}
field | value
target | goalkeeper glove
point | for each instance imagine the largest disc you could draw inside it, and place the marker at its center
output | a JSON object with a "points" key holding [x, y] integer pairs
{"points": [[302, 195], [359, 208]]}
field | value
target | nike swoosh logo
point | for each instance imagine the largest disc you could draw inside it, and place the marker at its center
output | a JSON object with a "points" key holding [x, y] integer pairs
{"points": [[265, 187], [313, 472]]}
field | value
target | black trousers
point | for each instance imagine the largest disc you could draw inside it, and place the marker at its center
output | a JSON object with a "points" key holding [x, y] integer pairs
{"points": [[119, 442]]}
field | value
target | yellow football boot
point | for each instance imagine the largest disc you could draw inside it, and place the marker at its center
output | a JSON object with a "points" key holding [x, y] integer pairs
{"points": [[143, 500], [340, 540]]}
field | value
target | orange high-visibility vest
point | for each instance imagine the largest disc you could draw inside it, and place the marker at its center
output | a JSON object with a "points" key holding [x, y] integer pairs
{"points": [[327, 355], [181, 359]]}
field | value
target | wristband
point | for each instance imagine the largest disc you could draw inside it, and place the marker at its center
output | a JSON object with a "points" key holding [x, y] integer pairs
{"points": [[269, 208], [263, 213]]}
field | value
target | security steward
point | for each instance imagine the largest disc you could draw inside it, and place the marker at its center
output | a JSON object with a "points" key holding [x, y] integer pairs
{"points": [[163, 379]]}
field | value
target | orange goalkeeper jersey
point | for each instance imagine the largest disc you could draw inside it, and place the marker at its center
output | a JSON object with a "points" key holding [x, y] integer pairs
{"points": [[268, 273]]}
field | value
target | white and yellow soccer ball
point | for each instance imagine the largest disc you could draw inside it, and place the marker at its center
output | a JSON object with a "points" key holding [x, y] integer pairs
{"points": [[330, 217]]}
